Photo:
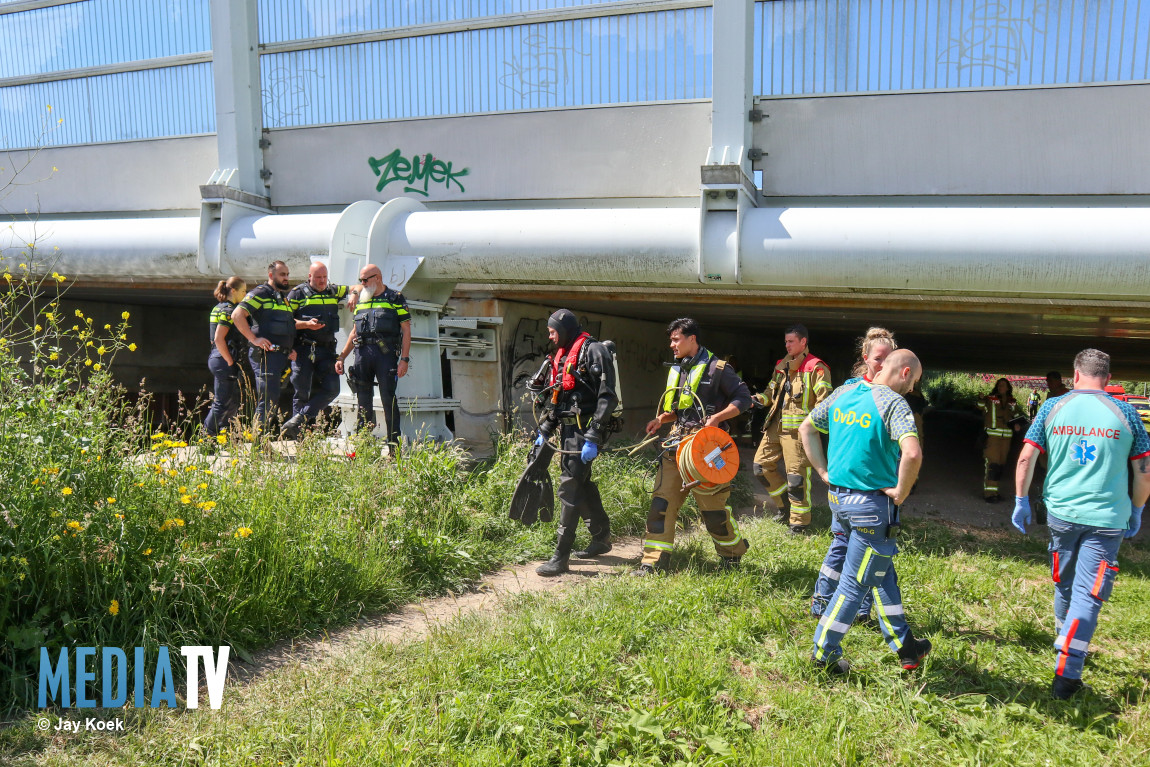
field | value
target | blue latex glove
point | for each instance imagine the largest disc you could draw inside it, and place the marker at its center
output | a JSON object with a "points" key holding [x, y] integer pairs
{"points": [[1021, 516], [589, 451], [1135, 521], [540, 440]]}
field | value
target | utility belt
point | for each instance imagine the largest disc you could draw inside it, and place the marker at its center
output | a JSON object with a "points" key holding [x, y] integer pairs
{"points": [[387, 346], [894, 522], [308, 347], [582, 419], [278, 345]]}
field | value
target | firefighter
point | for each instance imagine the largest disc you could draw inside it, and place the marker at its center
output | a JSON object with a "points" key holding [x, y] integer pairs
{"points": [[224, 358], [271, 335], [578, 383], [313, 376], [1091, 438], [800, 381], [702, 390], [1000, 413], [381, 337], [872, 461], [874, 348]]}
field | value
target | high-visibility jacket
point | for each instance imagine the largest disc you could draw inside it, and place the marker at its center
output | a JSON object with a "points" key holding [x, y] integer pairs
{"points": [[271, 315], [379, 318], [810, 383], [997, 414], [322, 305]]}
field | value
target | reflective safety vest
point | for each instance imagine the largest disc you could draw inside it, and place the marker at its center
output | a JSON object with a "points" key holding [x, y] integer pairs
{"points": [[310, 303], [379, 317], [689, 389], [807, 390], [221, 314], [272, 316], [996, 416]]}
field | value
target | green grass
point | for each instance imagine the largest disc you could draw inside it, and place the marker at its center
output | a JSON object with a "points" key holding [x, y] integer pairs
{"points": [[695, 668], [960, 391]]}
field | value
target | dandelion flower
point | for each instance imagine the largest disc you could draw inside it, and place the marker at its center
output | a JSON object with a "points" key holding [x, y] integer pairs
{"points": [[222, 439], [179, 522], [185, 499], [243, 532], [67, 491], [202, 486], [147, 552], [207, 505], [74, 525], [111, 499], [114, 608]]}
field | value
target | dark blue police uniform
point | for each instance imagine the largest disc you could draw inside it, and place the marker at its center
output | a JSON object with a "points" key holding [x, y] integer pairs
{"points": [[272, 318], [226, 377], [313, 375], [378, 336]]}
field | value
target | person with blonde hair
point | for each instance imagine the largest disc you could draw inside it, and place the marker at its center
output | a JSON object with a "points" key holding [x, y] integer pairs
{"points": [[223, 360], [874, 348]]}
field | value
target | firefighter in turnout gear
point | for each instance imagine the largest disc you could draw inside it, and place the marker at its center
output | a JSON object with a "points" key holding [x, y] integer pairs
{"points": [[800, 382], [578, 388], [271, 335], [702, 390], [313, 376], [381, 337], [1001, 417]]}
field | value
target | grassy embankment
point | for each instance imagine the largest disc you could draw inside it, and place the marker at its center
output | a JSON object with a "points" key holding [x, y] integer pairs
{"points": [[695, 668]]}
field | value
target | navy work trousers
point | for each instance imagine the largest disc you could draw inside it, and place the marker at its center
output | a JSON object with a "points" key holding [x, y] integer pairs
{"points": [[268, 368], [226, 387], [377, 367], [314, 379]]}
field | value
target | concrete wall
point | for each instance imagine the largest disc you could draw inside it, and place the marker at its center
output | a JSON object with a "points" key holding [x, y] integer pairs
{"points": [[1051, 141], [133, 176], [610, 152]]}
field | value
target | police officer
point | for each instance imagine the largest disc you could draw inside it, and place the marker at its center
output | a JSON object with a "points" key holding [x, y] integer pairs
{"points": [[313, 375], [578, 385], [702, 390], [381, 337], [271, 335], [800, 381], [1090, 437], [224, 358], [874, 458]]}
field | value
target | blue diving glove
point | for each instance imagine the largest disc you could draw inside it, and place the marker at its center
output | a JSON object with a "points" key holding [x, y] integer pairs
{"points": [[1135, 521], [589, 451], [1021, 516], [540, 440]]}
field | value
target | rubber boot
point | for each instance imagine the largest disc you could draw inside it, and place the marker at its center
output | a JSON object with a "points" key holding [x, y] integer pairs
{"points": [[660, 566], [596, 547], [292, 427], [557, 565], [839, 667]]}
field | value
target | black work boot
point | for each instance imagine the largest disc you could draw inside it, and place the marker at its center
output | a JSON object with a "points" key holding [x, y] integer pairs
{"points": [[839, 667], [596, 547], [912, 652], [1064, 687], [798, 529], [557, 565], [782, 512], [292, 426], [727, 564], [649, 568]]}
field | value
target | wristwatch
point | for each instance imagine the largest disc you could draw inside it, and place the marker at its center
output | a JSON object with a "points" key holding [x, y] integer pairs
{"points": [[405, 359]]}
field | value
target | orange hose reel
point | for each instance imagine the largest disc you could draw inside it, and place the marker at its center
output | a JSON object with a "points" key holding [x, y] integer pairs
{"points": [[708, 458]]}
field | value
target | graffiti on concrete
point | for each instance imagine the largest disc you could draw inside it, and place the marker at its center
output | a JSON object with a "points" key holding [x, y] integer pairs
{"points": [[541, 69], [992, 37], [416, 172]]}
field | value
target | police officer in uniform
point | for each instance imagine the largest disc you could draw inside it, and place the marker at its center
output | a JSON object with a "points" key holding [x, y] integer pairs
{"points": [[800, 381], [699, 376], [271, 335], [579, 383], [313, 375], [381, 337], [224, 358]]}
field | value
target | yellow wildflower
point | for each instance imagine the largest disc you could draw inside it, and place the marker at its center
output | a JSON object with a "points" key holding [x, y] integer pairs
{"points": [[202, 486], [87, 363], [208, 471], [183, 489], [179, 522], [79, 314], [114, 608], [243, 532], [207, 505], [131, 347], [88, 320], [111, 499], [158, 435], [49, 316], [119, 516], [185, 499], [39, 328], [67, 491], [36, 481], [53, 356], [222, 439], [125, 315], [101, 351], [147, 552], [97, 367], [172, 472], [74, 525], [60, 278], [90, 343], [107, 326]]}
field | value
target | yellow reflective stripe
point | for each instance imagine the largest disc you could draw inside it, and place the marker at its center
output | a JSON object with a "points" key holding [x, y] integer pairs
{"points": [[885, 620], [863, 564], [320, 300], [905, 436], [776, 493], [662, 546], [826, 624]]}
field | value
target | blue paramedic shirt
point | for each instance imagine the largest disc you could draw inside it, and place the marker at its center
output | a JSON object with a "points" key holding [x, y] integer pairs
{"points": [[866, 423], [1089, 437]]}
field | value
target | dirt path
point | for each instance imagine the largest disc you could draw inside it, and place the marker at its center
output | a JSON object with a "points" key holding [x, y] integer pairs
{"points": [[415, 621]]}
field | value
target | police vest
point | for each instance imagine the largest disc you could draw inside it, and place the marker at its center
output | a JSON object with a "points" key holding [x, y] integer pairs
{"points": [[322, 305], [272, 316], [222, 315], [689, 389], [379, 318]]}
